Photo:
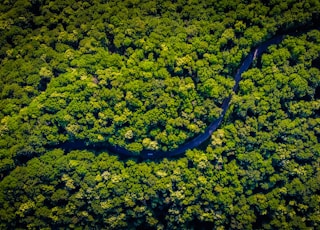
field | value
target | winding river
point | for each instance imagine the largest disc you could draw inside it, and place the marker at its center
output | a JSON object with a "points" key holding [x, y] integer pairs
{"points": [[201, 138]]}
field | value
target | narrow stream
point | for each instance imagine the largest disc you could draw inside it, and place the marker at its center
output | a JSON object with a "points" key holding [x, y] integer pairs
{"points": [[201, 138]]}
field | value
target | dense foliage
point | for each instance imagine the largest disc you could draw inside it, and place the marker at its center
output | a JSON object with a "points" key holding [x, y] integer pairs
{"points": [[151, 75]]}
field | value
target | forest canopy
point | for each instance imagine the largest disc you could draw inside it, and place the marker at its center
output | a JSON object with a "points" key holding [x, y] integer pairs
{"points": [[152, 75]]}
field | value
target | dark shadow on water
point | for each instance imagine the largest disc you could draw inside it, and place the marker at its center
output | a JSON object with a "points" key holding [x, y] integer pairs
{"points": [[316, 63], [317, 93]]}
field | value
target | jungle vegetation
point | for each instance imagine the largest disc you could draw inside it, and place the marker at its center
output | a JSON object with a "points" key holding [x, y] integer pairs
{"points": [[151, 75]]}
